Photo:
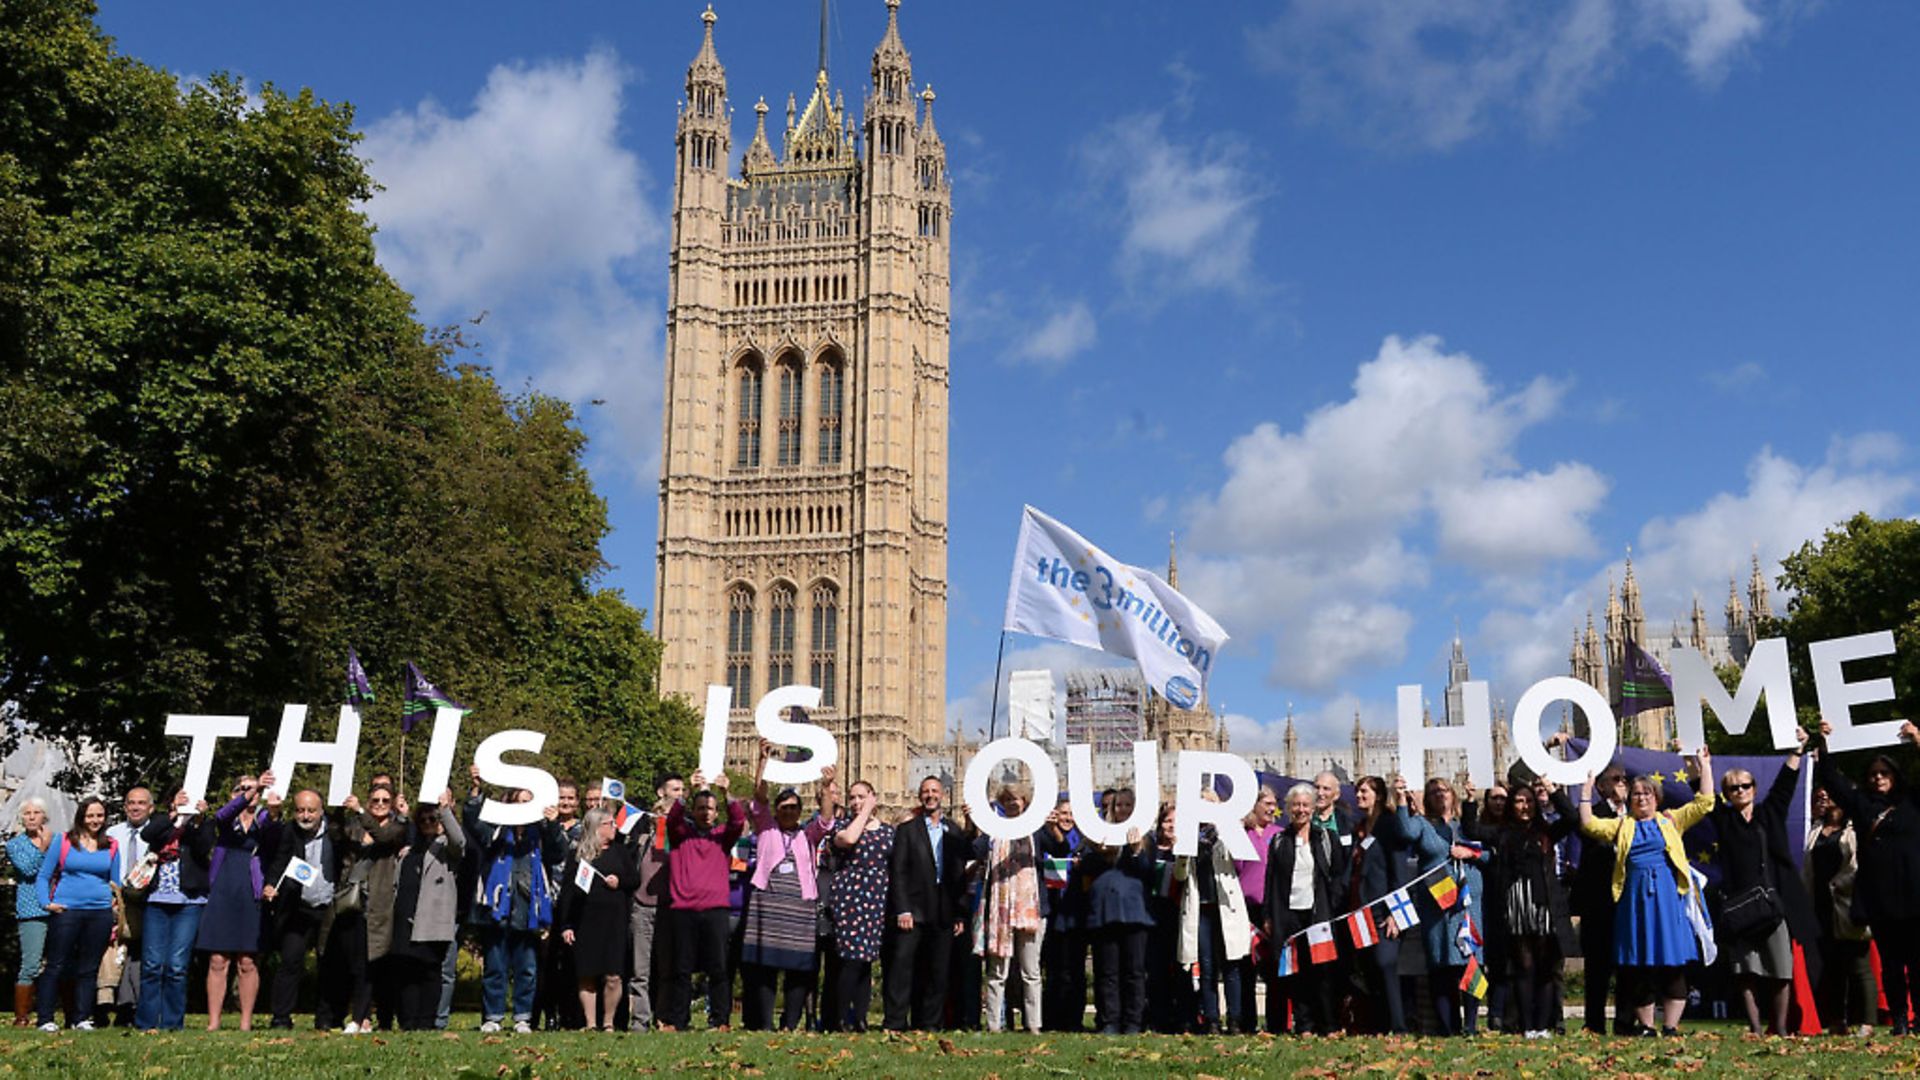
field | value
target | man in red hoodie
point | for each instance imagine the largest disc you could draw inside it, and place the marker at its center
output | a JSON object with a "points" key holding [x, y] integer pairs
{"points": [[697, 889]]}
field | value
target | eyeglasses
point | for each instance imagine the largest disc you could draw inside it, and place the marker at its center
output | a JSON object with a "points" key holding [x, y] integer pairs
{"points": [[1748, 786], [1643, 794], [380, 800]]}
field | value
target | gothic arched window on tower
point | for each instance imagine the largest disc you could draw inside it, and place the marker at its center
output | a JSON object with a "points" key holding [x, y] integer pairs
{"points": [[780, 618], [825, 642], [833, 381], [746, 453], [791, 381], [740, 645]]}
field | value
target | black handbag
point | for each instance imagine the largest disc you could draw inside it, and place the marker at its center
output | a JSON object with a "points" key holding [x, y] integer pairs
{"points": [[1753, 912]]}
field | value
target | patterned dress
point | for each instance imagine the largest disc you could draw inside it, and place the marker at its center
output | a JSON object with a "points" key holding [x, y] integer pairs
{"points": [[860, 894]]}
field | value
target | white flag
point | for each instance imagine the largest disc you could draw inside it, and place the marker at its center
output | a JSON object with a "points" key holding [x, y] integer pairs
{"points": [[1067, 589], [584, 877], [301, 871]]}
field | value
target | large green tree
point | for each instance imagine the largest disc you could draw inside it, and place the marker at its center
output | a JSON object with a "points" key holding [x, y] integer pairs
{"points": [[228, 450], [1860, 577]]}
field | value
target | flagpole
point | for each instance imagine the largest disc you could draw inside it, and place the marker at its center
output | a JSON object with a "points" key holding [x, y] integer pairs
{"points": [[993, 710]]}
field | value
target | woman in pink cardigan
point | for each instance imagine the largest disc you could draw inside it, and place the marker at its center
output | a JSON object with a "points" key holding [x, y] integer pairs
{"points": [[782, 902]]}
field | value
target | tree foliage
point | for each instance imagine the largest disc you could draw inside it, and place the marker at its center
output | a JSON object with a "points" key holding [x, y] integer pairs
{"points": [[228, 450], [1862, 576]]}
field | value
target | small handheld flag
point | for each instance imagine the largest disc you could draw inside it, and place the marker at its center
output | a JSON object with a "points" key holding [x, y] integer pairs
{"points": [[1401, 910], [1362, 929], [1445, 891], [1473, 980], [422, 698], [742, 854], [359, 690], [1163, 879], [1320, 946], [301, 871], [628, 817], [584, 876], [1289, 959], [1056, 869], [613, 789]]}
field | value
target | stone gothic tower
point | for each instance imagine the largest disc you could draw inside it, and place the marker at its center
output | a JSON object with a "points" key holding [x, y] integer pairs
{"points": [[803, 470]]}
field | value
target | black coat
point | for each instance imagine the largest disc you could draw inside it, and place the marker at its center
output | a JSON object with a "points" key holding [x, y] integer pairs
{"points": [[1329, 870], [1768, 824], [288, 844], [1593, 880], [196, 848], [912, 887], [1377, 863], [1887, 889]]}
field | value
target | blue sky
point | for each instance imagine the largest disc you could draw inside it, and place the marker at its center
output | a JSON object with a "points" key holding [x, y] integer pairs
{"points": [[1399, 312]]}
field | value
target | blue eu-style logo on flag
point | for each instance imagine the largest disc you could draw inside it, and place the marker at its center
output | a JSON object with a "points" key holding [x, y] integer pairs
{"points": [[1182, 693], [302, 872]]}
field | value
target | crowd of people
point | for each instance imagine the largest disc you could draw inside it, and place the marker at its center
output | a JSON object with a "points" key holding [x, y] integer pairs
{"points": [[1386, 911]]}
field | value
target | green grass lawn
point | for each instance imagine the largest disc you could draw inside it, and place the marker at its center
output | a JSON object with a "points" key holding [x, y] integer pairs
{"points": [[469, 1055]]}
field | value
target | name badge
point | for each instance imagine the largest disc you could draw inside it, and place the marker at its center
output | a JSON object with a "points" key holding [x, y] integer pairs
{"points": [[784, 868], [1346, 839]]}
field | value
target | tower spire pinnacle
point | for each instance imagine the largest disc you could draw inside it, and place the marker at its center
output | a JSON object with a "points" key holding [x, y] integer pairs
{"points": [[1173, 560], [823, 36]]}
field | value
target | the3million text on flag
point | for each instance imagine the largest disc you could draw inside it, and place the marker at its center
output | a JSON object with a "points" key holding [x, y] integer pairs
{"points": [[1066, 589]]}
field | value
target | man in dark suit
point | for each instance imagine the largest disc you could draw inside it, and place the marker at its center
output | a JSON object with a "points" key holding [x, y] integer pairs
{"points": [[927, 879], [300, 905], [1593, 902]]}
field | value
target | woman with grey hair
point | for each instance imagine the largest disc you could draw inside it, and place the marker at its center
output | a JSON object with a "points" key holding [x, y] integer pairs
{"points": [[28, 852], [595, 894]]}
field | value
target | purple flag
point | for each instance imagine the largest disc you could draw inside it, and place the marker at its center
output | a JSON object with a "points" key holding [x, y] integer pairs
{"points": [[422, 698], [359, 690], [1643, 683]]}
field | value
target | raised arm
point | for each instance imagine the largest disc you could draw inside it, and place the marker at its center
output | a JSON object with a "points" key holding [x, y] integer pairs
{"points": [[1686, 817]]}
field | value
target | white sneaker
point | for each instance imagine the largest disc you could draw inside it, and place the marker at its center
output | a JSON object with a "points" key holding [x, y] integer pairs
{"points": [[84, 1025], [522, 1027], [489, 1027], [50, 1028], [351, 1029]]}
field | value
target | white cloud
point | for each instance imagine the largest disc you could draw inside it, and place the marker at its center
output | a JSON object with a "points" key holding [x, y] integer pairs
{"points": [[1784, 505], [1435, 73], [1190, 207], [1310, 538], [1739, 377], [527, 207], [1501, 521], [1065, 333]]}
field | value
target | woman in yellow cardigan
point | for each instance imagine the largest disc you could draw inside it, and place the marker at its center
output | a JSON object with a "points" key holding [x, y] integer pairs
{"points": [[1652, 939]]}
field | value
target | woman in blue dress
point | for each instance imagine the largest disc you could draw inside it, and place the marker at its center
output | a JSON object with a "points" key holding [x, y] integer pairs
{"points": [[1652, 938], [1436, 837], [230, 926]]}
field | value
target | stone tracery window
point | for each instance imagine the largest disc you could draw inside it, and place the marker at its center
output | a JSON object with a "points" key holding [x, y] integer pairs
{"points": [[790, 390], [740, 645], [825, 642], [747, 431], [780, 618], [832, 403]]}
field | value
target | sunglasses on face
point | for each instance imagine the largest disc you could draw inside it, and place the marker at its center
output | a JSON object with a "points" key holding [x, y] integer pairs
{"points": [[1748, 786], [1879, 774]]}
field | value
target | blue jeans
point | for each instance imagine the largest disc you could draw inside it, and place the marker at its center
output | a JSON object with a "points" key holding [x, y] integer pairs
{"points": [[508, 956], [1213, 968], [76, 939], [166, 950]]}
